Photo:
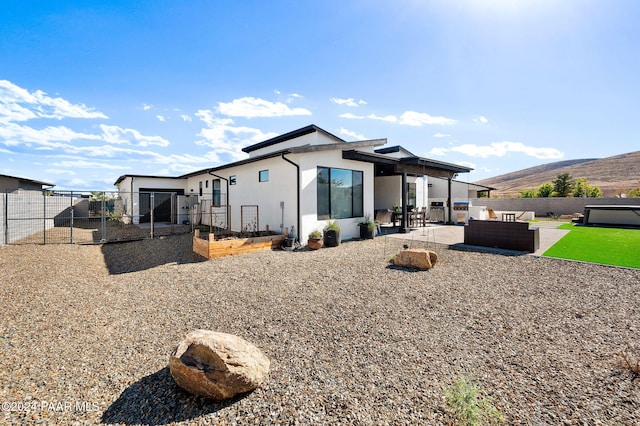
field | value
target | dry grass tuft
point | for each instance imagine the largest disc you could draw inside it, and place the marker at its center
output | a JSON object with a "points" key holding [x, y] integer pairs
{"points": [[630, 362]]}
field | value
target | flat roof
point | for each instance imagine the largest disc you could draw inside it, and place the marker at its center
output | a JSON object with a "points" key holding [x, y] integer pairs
{"points": [[37, 182]]}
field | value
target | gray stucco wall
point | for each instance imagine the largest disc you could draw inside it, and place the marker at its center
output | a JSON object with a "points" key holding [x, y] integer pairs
{"points": [[23, 213], [543, 206]]}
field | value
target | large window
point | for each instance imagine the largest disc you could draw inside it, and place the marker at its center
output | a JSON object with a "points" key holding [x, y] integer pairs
{"points": [[339, 193], [217, 199]]}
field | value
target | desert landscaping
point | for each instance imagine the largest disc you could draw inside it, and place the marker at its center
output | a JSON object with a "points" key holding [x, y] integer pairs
{"points": [[87, 332]]}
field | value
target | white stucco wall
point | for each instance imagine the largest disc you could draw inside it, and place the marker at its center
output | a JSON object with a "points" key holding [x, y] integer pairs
{"points": [[460, 191], [281, 188], [309, 163], [129, 193], [388, 191]]}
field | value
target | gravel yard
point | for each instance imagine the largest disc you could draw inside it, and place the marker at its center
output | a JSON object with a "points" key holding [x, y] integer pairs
{"points": [[86, 333]]}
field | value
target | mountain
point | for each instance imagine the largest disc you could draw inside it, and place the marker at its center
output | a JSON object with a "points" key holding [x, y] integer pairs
{"points": [[614, 175]]}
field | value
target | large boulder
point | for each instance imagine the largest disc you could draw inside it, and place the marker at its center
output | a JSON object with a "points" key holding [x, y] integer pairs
{"points": [[416, 258], [217, 365]]}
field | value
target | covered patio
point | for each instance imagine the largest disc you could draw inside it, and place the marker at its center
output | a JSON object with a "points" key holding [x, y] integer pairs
{"points": [[396, 178]]}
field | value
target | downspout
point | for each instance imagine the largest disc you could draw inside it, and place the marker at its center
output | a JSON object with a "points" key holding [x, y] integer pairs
{"points": [[297, 191], [226, 201]]}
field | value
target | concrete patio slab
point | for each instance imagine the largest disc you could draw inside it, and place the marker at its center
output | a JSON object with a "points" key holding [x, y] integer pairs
{"points": [[454, 234]]}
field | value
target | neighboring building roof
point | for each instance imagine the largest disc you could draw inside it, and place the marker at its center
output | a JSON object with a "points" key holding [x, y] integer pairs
{"points": [[123, 177], [33, 181], [291, 135]]}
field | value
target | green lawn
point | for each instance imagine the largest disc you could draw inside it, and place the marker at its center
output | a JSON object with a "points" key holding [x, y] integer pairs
{"points": [[609, 246]]}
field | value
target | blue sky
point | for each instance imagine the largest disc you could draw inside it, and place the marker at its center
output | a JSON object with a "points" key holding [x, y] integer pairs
{"points": [[91, 90]]}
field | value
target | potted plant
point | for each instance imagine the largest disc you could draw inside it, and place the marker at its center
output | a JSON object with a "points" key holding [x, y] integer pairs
{"points": [[332, 234], [367, 228], [315, 240]]}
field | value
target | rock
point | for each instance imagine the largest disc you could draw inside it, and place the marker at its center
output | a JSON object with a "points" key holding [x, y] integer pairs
{"points": [[416, 258], [217, 365]]}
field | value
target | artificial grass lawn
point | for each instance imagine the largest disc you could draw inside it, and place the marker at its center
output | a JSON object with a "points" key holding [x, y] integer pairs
{"points": [[609, 246]]}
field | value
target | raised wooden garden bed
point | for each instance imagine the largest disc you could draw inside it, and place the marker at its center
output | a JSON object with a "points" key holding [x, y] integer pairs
{"points": [[210, 247]]}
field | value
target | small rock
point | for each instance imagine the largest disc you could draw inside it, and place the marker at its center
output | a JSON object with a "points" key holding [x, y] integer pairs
{"points": [[217, 365], [416, 258]]}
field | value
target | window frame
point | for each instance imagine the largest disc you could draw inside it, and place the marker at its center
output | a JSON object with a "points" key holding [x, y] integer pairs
{"points": [[325, 208], [261, 174]]}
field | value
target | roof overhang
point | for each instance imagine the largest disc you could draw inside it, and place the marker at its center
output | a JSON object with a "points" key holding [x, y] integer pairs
{"points": [[291, 135], [417, 166]]}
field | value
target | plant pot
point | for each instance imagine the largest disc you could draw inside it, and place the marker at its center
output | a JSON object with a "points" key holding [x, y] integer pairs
{"points": [[331, 238], [314, 243], [367, 233]]}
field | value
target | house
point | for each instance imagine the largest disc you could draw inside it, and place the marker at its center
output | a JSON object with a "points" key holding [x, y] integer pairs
{"points": [[13, 183], [301, 179]]}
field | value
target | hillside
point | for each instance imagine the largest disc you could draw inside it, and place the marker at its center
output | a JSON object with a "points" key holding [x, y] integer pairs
{"points": [[614, 175]]}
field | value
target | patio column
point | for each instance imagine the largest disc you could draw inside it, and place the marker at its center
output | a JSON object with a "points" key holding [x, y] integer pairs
{"points": [[449, 222], [403, 219]]}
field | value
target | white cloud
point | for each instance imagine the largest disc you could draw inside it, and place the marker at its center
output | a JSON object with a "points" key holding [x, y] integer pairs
{"points": [[225, 137], [118, 135], [441, 135], [352, 134], [437, 152], [186, 117], [351, 116], [84, 164], [250, 107], [408, 118], [60, 172], [413, 118], [481, 119], [147, 107], [160, 117], [15, 100], [14, 112], [347, 102], [13, 134], [500, 149], [387, 118]]}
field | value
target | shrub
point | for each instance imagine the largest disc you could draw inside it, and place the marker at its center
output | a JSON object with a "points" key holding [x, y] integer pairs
{"points": [[469, 406]]}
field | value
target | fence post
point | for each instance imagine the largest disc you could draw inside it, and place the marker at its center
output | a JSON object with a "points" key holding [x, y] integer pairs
{"points": [[103, 219], [152, 201], [44, 217], [71, 227], [6, 217]]}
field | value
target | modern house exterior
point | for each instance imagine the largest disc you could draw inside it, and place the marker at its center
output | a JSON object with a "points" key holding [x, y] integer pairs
{"points": [[304, 179]]}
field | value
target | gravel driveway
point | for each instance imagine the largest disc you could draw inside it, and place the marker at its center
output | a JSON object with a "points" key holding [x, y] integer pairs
{"points": [[86, 333]]}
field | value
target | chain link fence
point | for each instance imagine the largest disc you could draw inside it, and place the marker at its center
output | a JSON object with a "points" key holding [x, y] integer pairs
{"points": [[93, 217]]}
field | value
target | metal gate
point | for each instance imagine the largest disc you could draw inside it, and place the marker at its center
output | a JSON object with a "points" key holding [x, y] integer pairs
{"points": [[86, 217]]}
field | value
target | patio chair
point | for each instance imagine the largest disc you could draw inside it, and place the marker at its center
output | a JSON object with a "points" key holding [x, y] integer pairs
{"points": [[382, 217]]}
